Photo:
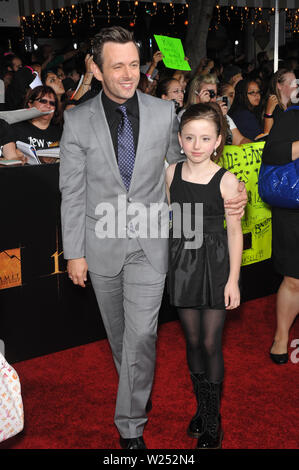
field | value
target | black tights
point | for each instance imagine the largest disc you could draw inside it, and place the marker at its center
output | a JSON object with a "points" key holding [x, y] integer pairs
{"points": [[203, 333]]}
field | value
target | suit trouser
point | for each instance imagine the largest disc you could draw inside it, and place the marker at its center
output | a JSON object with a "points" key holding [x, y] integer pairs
{"points": [[129, 303]]}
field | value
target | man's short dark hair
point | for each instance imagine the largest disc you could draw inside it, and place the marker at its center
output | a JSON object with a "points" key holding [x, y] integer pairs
{"points": [[115, 34]]}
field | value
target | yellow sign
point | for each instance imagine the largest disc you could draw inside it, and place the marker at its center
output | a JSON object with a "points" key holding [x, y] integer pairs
{"points": [[10, 268], [244, 161]]}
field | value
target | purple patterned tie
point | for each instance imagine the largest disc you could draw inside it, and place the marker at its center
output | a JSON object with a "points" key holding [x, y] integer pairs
{"points": [[126, 148]]}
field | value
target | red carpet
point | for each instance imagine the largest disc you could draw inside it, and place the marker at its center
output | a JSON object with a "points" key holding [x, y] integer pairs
{"points": [[69, 396]]}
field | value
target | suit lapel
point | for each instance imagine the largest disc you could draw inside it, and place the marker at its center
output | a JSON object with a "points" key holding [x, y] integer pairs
{"points": [[102, 133], [144, 119]]}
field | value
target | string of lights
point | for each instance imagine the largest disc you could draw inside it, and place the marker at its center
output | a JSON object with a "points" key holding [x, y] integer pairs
{"points": [[77, 14]]}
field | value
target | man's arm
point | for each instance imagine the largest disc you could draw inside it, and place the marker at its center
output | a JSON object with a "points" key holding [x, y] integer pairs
{"points": [[77, 271], [73, 205], [236, 205]]}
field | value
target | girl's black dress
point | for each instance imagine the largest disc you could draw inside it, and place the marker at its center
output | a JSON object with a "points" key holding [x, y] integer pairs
{"points": [[197, 277]]}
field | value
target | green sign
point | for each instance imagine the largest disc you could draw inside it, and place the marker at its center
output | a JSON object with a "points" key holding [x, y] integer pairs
{"points": [[244, 161], [173, 52]]}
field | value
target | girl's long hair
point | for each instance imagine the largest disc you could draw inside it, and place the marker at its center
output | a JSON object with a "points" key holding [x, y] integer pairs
{"points": [[278, 77]]}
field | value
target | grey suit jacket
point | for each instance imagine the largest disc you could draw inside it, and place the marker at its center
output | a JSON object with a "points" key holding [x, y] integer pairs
{"points": [[94, 198]]}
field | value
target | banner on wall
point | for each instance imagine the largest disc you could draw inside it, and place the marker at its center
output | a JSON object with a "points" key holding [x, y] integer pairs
{"points": [[244, 161], [9, 13]]}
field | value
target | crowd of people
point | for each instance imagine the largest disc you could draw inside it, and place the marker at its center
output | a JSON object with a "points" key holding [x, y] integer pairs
{"points": [[214, 105], [250, 97]]}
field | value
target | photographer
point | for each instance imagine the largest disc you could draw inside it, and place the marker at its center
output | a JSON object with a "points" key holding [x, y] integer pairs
{"points": [[171, 90], [203, 89]]}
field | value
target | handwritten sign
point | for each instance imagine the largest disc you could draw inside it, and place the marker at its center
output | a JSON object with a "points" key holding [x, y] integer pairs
{"points": [[173, 52], [244, 161]]}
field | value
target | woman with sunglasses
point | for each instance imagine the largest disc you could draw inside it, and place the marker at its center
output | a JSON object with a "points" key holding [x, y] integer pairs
{"points": [[246, 109], [41, 131]]}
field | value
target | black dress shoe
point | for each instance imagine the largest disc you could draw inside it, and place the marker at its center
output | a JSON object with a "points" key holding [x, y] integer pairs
{"points": [[279, 358], [134, 443], [212, 437], [213, 434], [210, 441]]}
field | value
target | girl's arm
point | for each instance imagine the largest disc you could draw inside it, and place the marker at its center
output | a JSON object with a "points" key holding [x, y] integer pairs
{"points": [[238, 138], [268, 121], [295, 150], [88, 76], [229, 189]]}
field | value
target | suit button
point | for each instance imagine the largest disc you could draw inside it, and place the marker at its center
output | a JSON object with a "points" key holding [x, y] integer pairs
{"points": [[129, 199]]}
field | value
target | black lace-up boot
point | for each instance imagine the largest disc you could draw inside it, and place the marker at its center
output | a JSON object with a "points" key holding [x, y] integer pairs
{"points": [[213, 435], [201, 389]]}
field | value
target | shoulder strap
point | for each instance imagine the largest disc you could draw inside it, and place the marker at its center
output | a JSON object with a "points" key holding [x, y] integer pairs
{"points": [[215, 181], [218, 176], [178, 171]]}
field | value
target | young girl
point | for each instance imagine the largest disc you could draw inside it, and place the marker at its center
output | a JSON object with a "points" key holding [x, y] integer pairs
{"points": [[203, 282]]}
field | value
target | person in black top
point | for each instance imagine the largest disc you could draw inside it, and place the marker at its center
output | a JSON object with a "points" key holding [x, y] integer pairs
{"points": [[246, 109], [5, 133], [282, 89], [39, 132], [282, 147], [7, 143], [17, 89]]}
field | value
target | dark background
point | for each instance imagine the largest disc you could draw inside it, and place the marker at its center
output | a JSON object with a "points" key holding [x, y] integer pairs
{"points": [[225, 27]]}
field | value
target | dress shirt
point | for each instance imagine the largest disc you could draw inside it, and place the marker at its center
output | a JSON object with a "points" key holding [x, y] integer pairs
{"points": [[114, 116]]}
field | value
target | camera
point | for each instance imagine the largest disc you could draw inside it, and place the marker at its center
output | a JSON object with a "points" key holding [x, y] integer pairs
{"points": [[224, 100], [212, 93], [176, 105]]}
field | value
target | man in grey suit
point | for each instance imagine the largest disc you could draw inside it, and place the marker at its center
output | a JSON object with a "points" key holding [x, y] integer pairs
{"points": [[112, 163]]}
